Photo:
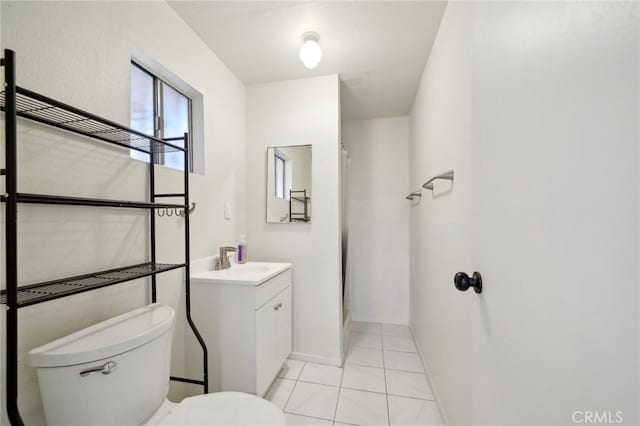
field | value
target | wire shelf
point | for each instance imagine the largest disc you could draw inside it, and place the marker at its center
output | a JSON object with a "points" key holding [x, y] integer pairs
{"points": [[301, 199], [36, 107], [96, 202], [42, 292]]}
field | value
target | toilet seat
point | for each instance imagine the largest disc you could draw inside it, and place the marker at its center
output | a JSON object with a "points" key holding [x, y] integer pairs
{"points": [[225, 409]]}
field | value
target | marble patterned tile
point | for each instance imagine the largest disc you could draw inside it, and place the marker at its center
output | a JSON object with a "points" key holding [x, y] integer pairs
{"points": [[280, 391], [365, 340], [403, 361], [396, 330], [363, 378], [401, 344], [362, 408], [404, 383], [322, 374], [412, 412], [313, 400], [291, 369], [364, 356], [297, 420]]}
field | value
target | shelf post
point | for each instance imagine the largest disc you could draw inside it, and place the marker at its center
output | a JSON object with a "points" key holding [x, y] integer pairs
{"points": [[11, 236], [152, 217], [304, 197], [187, 270]]}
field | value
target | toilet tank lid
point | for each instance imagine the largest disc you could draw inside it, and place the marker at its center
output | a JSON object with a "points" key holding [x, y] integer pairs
{"points": [[107, 338]]}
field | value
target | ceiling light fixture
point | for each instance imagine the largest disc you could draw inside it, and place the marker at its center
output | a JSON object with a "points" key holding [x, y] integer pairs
{"points": [[310, 52]]}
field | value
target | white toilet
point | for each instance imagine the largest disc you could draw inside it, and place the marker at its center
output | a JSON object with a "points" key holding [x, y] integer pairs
{"points": [[117, 373]]}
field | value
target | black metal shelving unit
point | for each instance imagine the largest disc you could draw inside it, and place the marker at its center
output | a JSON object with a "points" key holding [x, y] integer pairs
{"points": [[19, 102], [300, 196]]}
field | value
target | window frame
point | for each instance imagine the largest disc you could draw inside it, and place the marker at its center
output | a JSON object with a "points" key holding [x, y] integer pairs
{"points": [[158, 116]]}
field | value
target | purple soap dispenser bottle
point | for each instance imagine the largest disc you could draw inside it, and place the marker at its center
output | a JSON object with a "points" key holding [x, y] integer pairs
{"points": [[242, 249]]}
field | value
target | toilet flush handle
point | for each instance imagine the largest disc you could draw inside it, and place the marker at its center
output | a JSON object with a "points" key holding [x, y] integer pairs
{"points": [[106, 368]]}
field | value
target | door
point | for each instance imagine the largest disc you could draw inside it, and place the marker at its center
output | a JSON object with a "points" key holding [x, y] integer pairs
{"points": [[555, 212]]}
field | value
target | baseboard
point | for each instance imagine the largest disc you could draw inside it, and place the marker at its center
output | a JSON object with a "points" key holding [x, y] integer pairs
{"points": [[443, 413], [378, 321], [315, 358]]}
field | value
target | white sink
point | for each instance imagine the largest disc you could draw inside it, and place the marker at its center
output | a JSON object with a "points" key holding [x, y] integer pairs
{"points": [[250, 273]]}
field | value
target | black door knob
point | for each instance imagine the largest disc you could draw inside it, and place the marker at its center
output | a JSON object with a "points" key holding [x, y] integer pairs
{"points": [[463, 282]]}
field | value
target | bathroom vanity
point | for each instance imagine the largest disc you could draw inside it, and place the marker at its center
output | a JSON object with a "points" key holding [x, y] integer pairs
{"points": [[244, 316]]}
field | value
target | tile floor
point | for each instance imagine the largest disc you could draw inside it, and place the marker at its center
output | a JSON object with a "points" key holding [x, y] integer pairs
{"points": [[382, 383]]}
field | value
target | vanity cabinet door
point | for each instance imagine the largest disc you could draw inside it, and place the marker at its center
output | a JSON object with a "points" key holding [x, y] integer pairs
{"points": [[283, 326], [266, 337], [273, 338]]}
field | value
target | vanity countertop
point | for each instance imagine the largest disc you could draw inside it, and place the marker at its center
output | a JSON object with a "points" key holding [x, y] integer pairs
{"points": [[250, 273]]}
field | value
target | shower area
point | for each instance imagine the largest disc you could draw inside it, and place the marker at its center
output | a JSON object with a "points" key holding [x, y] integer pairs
{"points": [[345, 162]]}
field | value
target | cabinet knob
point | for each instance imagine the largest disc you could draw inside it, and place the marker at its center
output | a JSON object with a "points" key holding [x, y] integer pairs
{"points": [[278, 306]]}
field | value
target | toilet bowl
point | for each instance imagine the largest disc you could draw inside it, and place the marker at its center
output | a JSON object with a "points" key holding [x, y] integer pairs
{"points": [[117, 373], [221, 409]]}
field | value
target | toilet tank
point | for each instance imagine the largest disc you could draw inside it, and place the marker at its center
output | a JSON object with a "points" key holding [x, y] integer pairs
{"points": [[113, 373]]}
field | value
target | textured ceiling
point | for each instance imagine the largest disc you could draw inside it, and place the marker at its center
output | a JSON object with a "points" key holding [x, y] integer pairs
{"points": [[378, 48]]}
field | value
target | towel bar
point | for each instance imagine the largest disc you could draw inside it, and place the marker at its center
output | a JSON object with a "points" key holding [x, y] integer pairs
{"points": [[448, 175], [413, 195]]}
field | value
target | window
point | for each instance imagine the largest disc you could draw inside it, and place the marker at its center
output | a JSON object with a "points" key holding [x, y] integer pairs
{"points": [[279, 176], [158, 109]]}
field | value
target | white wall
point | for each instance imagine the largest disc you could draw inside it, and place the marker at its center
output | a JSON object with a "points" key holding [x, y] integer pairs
{"points": [[441, 226], [379, 218], [555, 172], [79, 53], [300, 112]]}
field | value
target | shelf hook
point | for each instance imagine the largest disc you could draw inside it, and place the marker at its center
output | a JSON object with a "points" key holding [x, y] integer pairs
{"points": [[191, 209]]}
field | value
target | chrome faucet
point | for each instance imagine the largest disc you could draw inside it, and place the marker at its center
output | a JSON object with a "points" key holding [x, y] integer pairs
{"points": [[222, 262]]}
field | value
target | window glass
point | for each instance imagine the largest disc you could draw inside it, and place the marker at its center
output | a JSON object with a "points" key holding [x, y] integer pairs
{"points": [[175, 113], [279, 177], [151, 98], [142, 106]]}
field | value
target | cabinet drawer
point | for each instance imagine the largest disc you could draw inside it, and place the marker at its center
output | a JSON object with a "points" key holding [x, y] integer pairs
{"points": [[268, 289]]}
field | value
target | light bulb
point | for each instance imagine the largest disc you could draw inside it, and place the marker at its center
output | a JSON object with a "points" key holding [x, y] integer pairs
{"points": [[310, 52]]}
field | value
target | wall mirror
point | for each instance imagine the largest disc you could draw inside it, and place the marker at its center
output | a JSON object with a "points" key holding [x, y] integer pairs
{"points": [[289, 184]]}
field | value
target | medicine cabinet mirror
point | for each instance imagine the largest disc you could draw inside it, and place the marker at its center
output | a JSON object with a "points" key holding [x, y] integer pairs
{"points": [[289, 184]]}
